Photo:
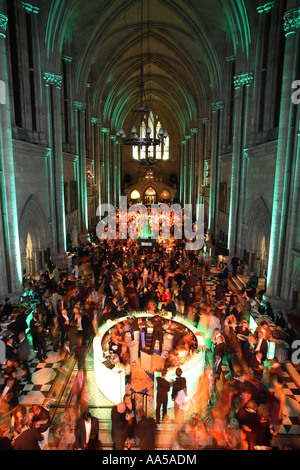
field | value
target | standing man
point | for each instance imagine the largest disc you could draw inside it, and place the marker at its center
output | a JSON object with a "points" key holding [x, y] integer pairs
{"points": [[80, 353], [163, 387], [24, 354], [234, 263], [262, 345], [157, 332], [87, 433], [219, 351]]}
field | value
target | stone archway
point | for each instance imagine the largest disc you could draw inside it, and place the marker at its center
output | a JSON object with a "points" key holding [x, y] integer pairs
{"points": [[150, 196], [34, 238], [257, 237]]}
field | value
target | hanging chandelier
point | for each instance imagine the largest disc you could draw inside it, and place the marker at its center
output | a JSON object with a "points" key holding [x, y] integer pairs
{"points": [[142, 130]]}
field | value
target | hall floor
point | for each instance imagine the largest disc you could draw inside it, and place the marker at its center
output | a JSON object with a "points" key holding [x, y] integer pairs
{"points": [[51, 386]]}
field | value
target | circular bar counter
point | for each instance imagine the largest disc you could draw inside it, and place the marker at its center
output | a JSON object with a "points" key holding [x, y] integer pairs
{"points": [[110, 375]]}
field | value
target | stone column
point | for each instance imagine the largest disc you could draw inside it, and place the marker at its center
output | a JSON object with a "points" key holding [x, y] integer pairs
{"points": [[246, 122], [216, 107], [284, 159], [10, 257], [53, 84], [188, 170], [183, 173], [241, 82], [113, 170], [194, 168], [79, 108], [202, 147], [96, 154], [106, 165]]}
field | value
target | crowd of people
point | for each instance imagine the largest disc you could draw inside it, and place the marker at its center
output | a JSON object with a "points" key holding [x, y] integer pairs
{"points": [[242, 409]]}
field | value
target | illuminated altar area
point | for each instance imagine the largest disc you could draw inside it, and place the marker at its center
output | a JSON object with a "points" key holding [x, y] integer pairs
{"points": [[111, 375]]}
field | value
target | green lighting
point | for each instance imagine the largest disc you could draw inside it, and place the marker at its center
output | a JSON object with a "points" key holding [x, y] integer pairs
{"points": [[30, 8], [265, 8], [3, 24], [52, 79]]}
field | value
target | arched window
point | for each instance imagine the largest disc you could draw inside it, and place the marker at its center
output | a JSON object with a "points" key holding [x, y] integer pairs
{"points": [[135, 194]]}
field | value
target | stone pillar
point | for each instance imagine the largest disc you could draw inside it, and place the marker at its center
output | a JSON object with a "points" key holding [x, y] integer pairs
{"points": [[246, 123], [106, 165], [183, 173], [10, 257], [53, 86], [194, 167], [117, 172], [96, 154], [202, 147], [79, 109], [284, 159], [241, 82], [188, 170], [216, 107]]}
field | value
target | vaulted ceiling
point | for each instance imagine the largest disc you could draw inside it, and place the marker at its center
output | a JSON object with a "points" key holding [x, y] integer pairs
{"points": [[183, 45]]}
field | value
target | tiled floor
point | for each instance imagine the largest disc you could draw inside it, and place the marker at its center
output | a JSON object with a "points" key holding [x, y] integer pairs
{"points": [[43, 375]]}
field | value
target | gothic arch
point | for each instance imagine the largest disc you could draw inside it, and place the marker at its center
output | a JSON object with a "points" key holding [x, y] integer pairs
{"points": [[33, 227], [257, 236]]}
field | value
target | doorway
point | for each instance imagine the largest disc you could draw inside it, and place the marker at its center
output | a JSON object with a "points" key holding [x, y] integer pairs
{"points": [[150, 196]]}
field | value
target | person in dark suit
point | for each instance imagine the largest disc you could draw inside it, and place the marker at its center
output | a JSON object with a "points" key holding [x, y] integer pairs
{"points": [[87, 433], [28, 440], [262, 345], [158, 331], [256, 365], [163, 387], [146, 431], [80, 353], [118, 426], [178, 384], [219, 351]]}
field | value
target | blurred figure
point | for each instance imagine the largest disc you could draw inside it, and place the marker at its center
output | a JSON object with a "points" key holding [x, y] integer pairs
{"points": [[79, 391], [5, 442], [119, 426], [146, 431], [249, 420], [41, 421], [276, 402], [10, 392], [264, 434]]}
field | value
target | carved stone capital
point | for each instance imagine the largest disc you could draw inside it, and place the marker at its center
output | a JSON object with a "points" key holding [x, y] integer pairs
{"points": [[3, 24], [217, 106], [291, 21], [96, 121], [204, 121], [30, 8], [79, 106], [266, 7], [52, 79], [242, 79]]}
